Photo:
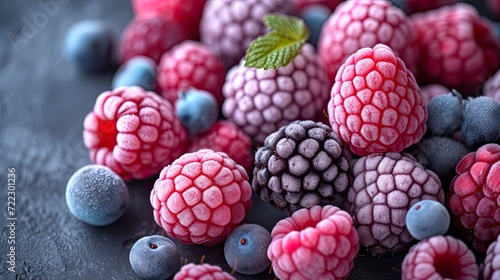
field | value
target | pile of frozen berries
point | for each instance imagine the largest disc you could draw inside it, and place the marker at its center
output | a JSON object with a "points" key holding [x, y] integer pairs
{"points": [[374, 124]]}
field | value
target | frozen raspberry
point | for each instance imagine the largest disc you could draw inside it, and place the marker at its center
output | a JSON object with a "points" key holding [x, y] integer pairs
{"points": [[315, 243], [261, 101], [440, 257], [301, 165], [385, 187], [431, 91], [133, 132], [201, 197], [304, 4], [458, 48], [490, 269], [225, 136], [365, 23], [494, 7], [186, 13], [375, 104], [204, 271], [492, 87], [415, 6], [151, 37], [190, 64], [228, 27], [474, 193]]}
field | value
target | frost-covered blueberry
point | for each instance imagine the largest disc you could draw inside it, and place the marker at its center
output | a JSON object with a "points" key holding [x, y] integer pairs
{"points": [[427, 218], [245, 249], [480, 125], [197, 110], [155, 258], [89, 45], [314, 17], [444, 114], [137, 71], [96, 195]]}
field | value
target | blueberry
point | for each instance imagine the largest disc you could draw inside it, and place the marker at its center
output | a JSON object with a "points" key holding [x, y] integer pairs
{"points": [[96, 195], [401, 4], [442, 155], [314, 17], [245, 249], [89, 44], [481, 123], [444, 114], [137, 71], [197, 110], [427, 218], [155, 257]]}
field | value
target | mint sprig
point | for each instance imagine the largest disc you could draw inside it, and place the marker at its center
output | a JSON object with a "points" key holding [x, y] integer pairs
{"points": [[278, 47]]}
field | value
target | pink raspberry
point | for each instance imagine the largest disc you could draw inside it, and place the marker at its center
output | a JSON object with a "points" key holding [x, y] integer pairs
{"points": [[330, 4], [190, 64], [375, 104], [492, 87], [385, 187], [440, 257], [431, 91], [416, 6], [225, 136], [186, 13], [133, 132], [201, 197], [151, 37], [228, 27], [261, 101], [358, 24], [490, 269], [204, 271], [458, 48], [315, 243], [494, 7], [474, 196]]}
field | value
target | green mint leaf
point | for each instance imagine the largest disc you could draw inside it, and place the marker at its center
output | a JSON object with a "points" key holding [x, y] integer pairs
{"points": [[291, 27], [280, 46]]}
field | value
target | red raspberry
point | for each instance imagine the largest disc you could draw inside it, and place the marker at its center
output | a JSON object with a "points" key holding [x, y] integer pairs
{"points": [[440, 257], [190, 64], [228, 27], [375, 104], [475, 196], [133, 132], [358, 24], [490, 269], [186, 13], [201, 197], [330, 4], [151, 37], [261, 101], [385, 187], [492, 87], [416, 6], [458, 48], [315, 243], [204, 271], [225, 136]]}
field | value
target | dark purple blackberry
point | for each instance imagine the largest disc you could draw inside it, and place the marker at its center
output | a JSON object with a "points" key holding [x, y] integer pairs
{"points": [[301, 165]]}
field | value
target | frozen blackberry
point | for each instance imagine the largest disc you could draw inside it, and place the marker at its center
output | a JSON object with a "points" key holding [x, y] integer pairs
{"points": [[479, 126], [444, 114], [301, 165], [441, 155], [385, 186]]}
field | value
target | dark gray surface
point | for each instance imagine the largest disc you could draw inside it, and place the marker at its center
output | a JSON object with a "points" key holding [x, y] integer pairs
{"points": [[43, 102]]}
